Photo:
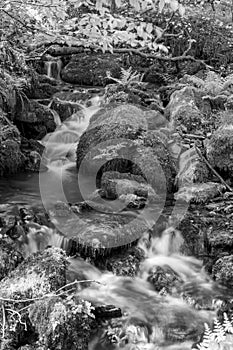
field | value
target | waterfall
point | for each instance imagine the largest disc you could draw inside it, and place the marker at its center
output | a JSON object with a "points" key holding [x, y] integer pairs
{"points": [[53, 69]]}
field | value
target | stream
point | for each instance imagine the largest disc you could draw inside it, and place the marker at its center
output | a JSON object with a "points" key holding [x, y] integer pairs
{"points": [[150, 319]]}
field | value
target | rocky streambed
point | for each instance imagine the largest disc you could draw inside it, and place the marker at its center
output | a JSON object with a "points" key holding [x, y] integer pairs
{"points": [[126, 242]]}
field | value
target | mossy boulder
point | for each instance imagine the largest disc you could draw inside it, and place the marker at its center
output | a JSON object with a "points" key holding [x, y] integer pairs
{"points": [[183, 111], [11, 157], [35, 120], [115, 184], [10, 257], [164, 279], [91, 69], [62, 323], [36, 276], [219, 150], [42, 273], [65, 109], [117, 140], [97, 228], [223, 271]]}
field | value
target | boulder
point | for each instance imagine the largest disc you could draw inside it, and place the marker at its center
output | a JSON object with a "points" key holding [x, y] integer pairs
{"points": [[164, 279], [183, 111], [126, 263], [11, 157], [10, 257], [35, 120], [223, 271], [62, 322], [91, 69], [219, 149], [40, 274], [117, 140], [96, 228], [65, 109]]}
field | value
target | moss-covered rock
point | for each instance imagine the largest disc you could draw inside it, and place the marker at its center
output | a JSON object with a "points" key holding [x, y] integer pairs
{"points": [[223, 271], [35, 120], [62, 323], [164, 279], [91, 69], [126, 263], [65, 109], [11, 157], [117, 140], [199, 192], [96, 229], [40, 274], [10, 257], [219, 149], [183, 111], [36, 276]]}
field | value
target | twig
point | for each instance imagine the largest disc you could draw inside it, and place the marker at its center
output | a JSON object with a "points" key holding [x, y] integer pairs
{"points": [[3, 321], [75, 282], [166, 28], [14, 312], [212, 169], [49, 295]]}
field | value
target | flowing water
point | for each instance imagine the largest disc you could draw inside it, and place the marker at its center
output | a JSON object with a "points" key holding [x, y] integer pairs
{"points": [[150, 320]]}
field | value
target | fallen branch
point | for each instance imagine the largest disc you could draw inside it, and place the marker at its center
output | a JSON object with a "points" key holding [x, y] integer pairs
{"points": [[49, 295], [74, 50], [212, 169]]}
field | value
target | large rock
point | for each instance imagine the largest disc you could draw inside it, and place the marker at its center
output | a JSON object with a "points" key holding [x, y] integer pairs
{"points": [[10, 257], [11, 157], [219, 148], [117, 140], [91, 228], [41, 274], [183, 111], [223, 271], [91, 69], [35, 120], [65, 109]]}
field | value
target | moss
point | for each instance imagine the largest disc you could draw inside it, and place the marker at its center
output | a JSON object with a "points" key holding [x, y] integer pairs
{"points": [[62, 323], [220, 149], [223, 271], [9, 257]]}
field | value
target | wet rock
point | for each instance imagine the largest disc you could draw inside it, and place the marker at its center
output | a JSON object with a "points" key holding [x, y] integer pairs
{"points": [[10, 258], [11, 157], [107, 311], [183, 111], [44, 91], [115, 184], [164, 279], [35, 121], [97, 230], [91, 69], [223, 271], [125, 263], [65, 109], [77, 95]]}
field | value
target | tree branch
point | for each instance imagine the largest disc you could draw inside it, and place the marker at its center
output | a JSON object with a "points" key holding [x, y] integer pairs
{"points": [[64, 51]]}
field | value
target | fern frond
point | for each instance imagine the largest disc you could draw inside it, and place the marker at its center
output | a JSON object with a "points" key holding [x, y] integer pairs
{"points": [[128, 77], [227, 324]]}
